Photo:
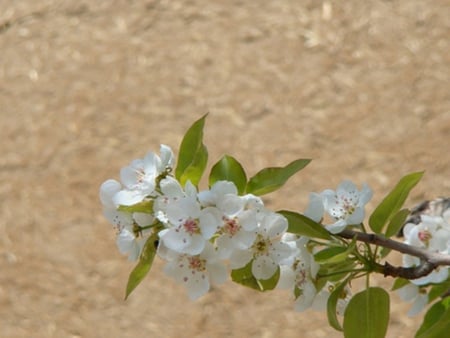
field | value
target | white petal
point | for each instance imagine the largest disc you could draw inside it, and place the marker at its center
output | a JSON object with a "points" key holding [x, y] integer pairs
{"points": [[197, 285], [419, 304], [128, 197], [315, 208], [287, 278], [365, 195], [209, 221], [336, 227], [240, 258], [356, 217], [167, 157], [107, 190], [280, 251], [276, 225], [263, 267], [305, 300], [197, 244], [170, 187], [151, 163]]}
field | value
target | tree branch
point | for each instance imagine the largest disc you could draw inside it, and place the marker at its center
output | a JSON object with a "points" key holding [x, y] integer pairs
{"points": [[429, 260]]}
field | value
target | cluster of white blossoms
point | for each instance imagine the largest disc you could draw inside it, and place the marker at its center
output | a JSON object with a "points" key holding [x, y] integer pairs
{"points": [[204, 234], [345, 205], [433, 234]]}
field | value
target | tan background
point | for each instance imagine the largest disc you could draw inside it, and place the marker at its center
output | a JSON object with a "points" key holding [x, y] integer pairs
{"points": [[362, 87]]}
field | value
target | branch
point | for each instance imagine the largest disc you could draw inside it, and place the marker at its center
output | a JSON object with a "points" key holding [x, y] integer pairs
{"points": [[429, 260]]}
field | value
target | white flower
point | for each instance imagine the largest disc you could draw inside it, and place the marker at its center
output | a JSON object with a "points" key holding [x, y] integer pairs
{"points": [[139, 178], [195, 272], [267, 251], [189, 226], [240, 216], [345, 205], [412, 293], [131, 237], [433, 234], [300, 273]]}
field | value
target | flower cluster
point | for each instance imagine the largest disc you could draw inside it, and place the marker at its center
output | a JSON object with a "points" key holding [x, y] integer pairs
{"points": [[203, 234], [433, 234]]}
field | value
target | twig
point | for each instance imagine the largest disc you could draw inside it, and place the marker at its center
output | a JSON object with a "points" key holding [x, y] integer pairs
{"points": [[429, 260]]}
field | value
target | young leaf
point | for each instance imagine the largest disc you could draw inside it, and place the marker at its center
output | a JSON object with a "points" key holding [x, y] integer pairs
{"points": [[396, 222], [245, 277], [144, 264], [229, 169], [193, 155], [332, 304], [436, 323], [392, 203], [335, 254], [145, 206], [367, 314], [271, 179], [399, 283], [304, 226]]}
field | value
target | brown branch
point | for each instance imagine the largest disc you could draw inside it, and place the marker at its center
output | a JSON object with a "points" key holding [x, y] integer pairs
{"points": [[429, 260]]}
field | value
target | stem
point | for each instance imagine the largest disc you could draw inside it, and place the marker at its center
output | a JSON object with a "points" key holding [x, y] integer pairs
{"points": [[429, 260]]}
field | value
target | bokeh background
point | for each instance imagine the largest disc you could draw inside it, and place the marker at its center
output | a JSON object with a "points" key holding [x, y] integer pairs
{"points": [[362, 87]]}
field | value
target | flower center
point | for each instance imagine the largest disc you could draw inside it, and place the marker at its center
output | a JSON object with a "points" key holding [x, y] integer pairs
{"points": [[231, 226], [196, 263], [261, 246], [191, 226], [424, 236]]}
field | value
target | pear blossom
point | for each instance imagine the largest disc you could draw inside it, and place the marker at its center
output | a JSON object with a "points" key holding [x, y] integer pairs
{"points": [[240, 215], [433, 234], [345, 205], [131, 234], [195, 272], [188, 225], [299, 273], [139, 178], [412, 293], [267, 251]]}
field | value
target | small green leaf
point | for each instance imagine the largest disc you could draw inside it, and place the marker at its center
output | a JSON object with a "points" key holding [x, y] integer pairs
{"points": [[396, 222], [436, 323], [271, 179], [332, 304], [245, 277], [438, 290], [145, 206], [144, 264], [335, 254], [367, 314], [229, 169], [193, 155], [399, 283], [304, 226], [392, 203]]}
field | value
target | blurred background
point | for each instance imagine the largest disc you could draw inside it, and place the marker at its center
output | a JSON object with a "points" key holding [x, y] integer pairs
{"points": [[361, 87]]}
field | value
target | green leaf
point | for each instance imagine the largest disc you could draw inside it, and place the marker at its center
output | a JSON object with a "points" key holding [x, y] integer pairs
{"points": [[304, 226], [229, 169], [399, 283], [438, 290], [392, 203], [145, 206], [245, 277], [367, 314], [193, 155], [436, 323], [332, 304], [334, 254], [396, 222], [144, 264], [271, 179]]}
